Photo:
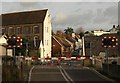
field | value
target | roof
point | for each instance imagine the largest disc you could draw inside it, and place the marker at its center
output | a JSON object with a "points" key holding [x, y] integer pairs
{"points": [[26, 17], [3, 40], [71, 39], [62, 41], [56, 40]]}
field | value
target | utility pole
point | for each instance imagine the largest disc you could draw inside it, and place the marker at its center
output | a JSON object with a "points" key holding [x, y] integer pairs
{"points": [[107, 59], [83, 41], [90, 49]]}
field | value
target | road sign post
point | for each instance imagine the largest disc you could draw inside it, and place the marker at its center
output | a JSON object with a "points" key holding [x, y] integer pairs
{"points": [[14, 42], [109, 42], [107, 59]]}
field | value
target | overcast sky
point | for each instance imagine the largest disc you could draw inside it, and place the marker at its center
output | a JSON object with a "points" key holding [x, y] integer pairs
{"points": [[90, 14]]}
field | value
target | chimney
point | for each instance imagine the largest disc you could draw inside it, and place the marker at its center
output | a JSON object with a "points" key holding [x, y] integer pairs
{"points": [[113, 26], [118, 26]]}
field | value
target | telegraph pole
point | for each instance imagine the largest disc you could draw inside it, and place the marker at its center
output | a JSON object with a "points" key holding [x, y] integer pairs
{"points": [[83, 41]]}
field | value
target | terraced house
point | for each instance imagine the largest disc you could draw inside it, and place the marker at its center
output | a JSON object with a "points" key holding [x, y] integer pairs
{"points": [[32, 25]]}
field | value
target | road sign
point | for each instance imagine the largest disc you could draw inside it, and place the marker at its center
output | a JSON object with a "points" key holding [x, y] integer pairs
{"points": [[109, 41]]}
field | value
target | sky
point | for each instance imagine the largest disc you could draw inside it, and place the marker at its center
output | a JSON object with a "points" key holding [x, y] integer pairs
{"points": [[88, 14]]}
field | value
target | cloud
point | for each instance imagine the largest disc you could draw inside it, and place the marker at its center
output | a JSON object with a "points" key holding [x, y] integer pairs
{"points": [[88, 15], [77, 14], [28, 3], [111, 11], [74, 20], [0, 8], [60, 0], [112, 14], [108, 15], [60, 18], [10, 7]]}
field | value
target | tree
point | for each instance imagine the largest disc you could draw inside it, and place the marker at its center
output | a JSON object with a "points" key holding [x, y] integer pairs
{"points": [[69, 30], [80, 31], [25, 46]]}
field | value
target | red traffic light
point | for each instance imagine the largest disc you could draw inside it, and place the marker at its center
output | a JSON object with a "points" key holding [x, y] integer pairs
{"points": [[109, 41], [14, 41]]}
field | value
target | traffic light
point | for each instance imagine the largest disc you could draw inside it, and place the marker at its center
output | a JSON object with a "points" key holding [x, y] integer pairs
{"points": [[14, 41], [109, 42]]}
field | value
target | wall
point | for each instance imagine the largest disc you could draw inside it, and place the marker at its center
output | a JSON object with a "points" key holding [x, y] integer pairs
{"points": [[112, 69], [2, 51], [47, 28], [54, 46], [31, 35]]}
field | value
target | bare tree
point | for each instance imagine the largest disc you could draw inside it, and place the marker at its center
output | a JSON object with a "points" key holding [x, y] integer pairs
{"points": [[80, 31]]}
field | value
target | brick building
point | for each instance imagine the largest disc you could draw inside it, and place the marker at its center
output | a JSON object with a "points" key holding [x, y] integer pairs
{"points": [[32, 25]]}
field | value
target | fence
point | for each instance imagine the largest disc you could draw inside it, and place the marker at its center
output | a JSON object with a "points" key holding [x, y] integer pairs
{"points": [[112, 69], [14, 71]]}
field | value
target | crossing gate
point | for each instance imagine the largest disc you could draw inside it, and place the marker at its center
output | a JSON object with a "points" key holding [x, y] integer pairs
{"points": [[56, 58]]}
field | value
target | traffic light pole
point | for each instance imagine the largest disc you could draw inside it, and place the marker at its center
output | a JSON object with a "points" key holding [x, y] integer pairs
{"points": [[107, 59], [14, 55], [14, 52]]}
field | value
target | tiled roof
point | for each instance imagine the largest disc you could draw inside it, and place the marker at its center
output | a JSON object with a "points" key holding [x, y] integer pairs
{"points": [[27, 17], [62, 41], [71, 39]]}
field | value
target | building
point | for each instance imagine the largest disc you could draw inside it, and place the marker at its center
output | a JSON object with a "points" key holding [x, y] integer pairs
{"points": [[66, 44], [99, 32], [3, 51], [60, 46], [93, 46], [32, 25], [115, 29], [3, 43]]}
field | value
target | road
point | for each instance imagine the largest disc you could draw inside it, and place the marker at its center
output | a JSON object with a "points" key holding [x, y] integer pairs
{"points": [[46, 73], [0, 73], [66, 73]]}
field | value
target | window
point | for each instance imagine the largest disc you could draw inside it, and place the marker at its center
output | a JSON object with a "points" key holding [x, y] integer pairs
{"points": [[49, 18], [36, 29], [26, 30], [19, 30], [47, 29], [11, 30], [36, 41], [3, 30], [47, 42]]}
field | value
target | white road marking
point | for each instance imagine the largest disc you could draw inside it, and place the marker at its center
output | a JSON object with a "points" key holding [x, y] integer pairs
{"points": [[65, 75], [30, 74]]}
